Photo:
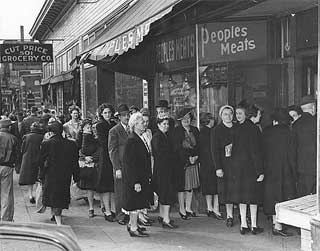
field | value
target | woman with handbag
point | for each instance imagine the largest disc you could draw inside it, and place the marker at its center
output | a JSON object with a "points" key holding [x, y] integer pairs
{"points": [[186, 146], [88, 159]]}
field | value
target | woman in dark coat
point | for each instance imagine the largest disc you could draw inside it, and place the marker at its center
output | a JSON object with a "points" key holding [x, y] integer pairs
{"points": [[186, 147], [30, 151], [136, 173], [88, 159], [279, 166], [58, 162], [105, 183], [208, 178], [246, 169], [163, 172], [221, 146]]}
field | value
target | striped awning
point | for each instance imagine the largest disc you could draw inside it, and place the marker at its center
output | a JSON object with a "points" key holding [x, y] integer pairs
{"points": [[129, 30]]}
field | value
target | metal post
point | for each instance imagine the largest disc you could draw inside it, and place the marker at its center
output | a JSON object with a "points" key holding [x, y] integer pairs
{"points": [[197, 77]]}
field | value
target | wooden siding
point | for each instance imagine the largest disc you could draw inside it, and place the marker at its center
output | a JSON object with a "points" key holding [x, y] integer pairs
{"points": [[78, 20]]}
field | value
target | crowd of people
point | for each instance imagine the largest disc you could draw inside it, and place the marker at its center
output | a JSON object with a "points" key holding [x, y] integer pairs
{"points": [[129, 158]]}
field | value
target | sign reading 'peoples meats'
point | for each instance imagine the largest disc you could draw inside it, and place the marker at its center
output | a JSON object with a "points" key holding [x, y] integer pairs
{"points": [[232, 41], [24, 53]]}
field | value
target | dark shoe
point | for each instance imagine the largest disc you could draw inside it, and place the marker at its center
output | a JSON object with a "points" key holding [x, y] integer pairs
{"points": [[140, 229], [109, 218], [32, 200], [191, 214], [144, 223], [91, 213], [217, 216], [103, 210], [282, 233], [138, 234], [184, 216], [256, 230], [244, 230], [209, 213], [160, 219], [112, 213], [169, 225], [53, 218], [229, 222], [125, 220]]}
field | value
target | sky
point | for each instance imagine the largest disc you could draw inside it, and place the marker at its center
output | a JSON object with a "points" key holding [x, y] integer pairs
{"points": [[15, 13]]}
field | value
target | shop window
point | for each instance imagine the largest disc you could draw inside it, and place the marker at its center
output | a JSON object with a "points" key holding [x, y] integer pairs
{"points": [[310, 76], [179, 89]]}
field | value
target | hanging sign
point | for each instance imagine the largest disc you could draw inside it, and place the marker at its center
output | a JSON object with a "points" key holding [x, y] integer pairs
{"points": [[232, 41], [25, 53]]}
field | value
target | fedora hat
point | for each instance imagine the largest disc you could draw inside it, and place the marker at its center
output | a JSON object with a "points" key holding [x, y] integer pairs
{"points": [[183, 112], [123, 108], [308, 99], [163, 103], [5, 123]]}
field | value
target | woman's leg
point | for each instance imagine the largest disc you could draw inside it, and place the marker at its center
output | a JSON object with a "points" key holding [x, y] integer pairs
{"points": [[209, 202], [277, 225], [216, 208], [243, 215], [105, 197], [133, 223], [166, 217], [90, 194], [30, 191], [182, 208], [188, 200], [229, 209], [161, 210], [253, 213], [112, 203]]}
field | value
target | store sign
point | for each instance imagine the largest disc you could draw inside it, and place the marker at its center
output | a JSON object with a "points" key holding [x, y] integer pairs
{"points": [[176, 50], [24, 53], [232, 41]]}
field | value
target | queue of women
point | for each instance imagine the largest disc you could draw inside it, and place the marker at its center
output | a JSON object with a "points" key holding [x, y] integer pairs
{"points": [[232, 163]]}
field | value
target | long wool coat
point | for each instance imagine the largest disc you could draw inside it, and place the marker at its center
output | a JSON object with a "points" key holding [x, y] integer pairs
{"points": [[246, 165], [163, 172], [279, 166], [183, 154], [105, 181], [136, 169], [58, 163], [208, 178], [305, 134], [221, 138], [30, 151]]}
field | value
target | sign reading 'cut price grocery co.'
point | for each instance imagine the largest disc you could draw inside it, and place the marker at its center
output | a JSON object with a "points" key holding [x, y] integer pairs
{"points": [[23, 53], [232, 41]]}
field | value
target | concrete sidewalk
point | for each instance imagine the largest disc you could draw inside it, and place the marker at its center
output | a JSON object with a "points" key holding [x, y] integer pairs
{"points": [[201, 233]]}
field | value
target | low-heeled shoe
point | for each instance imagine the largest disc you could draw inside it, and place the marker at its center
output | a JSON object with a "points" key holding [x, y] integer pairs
{"points": [[282, 233], [138, 233], [215, 215], [109, 218], [244, 230], [169, 225], [32, 200], [229, 222], [191, 214], [256, 230], [184, 216], [144, 223]]}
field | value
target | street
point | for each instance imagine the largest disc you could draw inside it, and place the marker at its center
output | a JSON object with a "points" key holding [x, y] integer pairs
{"points": [[201, 233]]}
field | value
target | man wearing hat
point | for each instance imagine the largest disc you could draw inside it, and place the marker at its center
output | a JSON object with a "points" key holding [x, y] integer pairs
{"points": [[117, 138], [8, 155], [27, 122], [162, 110], [305, 133]]}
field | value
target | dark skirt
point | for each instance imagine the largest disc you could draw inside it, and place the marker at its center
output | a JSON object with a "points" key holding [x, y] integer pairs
{"points": [[88, 178]]}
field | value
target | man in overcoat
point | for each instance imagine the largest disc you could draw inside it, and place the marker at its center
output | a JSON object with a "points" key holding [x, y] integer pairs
{"points": [[8, 154], [27, 122], [117, 138], [305, 134], [58, 163]]}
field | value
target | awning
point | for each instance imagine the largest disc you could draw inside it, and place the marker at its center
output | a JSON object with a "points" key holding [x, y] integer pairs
{"points": [[64, 76], [128, 31]]}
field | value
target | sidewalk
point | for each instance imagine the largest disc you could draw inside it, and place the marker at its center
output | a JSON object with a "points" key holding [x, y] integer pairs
{"points": [[201, 233]]}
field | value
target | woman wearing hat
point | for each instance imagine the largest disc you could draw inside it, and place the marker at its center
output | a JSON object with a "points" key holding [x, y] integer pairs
{"points": [[221, 149], [105, 182], [186, 146], [245, 186], [279, 166], [30, 151], [88, 159], [208, 176]]}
